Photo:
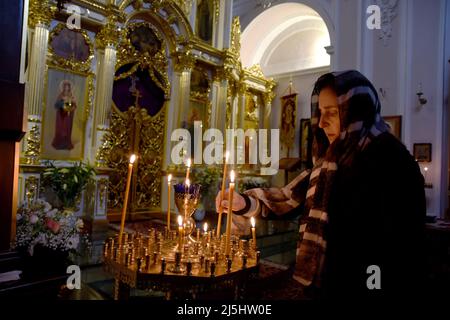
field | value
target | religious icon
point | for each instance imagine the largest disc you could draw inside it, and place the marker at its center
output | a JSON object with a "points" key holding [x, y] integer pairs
{"points": [[70, 44], [288, 104], [204, 25], [64, 115], [144, 39], [140, 83], [65, 105]]}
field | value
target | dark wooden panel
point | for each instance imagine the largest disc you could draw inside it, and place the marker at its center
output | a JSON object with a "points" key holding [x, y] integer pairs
{"points": [[11, 17]]}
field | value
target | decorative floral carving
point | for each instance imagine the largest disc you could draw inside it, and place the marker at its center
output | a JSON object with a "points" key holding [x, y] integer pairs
{"points": [[33, 146], [40, 12]]}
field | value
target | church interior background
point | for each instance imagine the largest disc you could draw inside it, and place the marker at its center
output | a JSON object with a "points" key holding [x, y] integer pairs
{"points": [[133, 71]]}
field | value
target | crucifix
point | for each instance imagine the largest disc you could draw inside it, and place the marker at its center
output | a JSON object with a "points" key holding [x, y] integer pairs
{"points": [[134, 91], [136, 122]]}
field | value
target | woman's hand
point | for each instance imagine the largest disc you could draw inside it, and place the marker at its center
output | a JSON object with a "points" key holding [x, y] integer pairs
{"points": [[238, 201]]}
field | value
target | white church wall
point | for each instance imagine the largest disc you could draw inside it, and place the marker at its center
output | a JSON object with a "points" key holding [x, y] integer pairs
{"points": [[303, 84], [412, 54]]}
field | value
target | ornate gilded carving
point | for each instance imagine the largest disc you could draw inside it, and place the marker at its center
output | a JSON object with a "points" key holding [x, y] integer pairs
{"points": [[90, 98], [136, 130], [155, 63], [185, 61], [72, 63], [256, 71], [109, 34], [40, 12], [235, 46], [33, 146], [31, 188], [103, 151], [268, 97], [216, 11]]}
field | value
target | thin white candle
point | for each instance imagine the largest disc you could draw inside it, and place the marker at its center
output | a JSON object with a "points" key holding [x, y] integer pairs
{"points": [[127, 192], [188, 164], [253, 223], [229, 214], [169, 178], [222, 193]]}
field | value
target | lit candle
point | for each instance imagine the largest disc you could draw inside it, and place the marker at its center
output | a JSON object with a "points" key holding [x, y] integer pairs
{"points": [[229, 214], [188, 164], [180, 232], [186, 196], [222, 193], [169, 178], [252, 221], [205, 229], [425, 175], [125, 204]]}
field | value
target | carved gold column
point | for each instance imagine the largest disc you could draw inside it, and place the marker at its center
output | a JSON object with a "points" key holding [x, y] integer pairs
{"points": [[106, 41], [40, 16], [268, 98]]}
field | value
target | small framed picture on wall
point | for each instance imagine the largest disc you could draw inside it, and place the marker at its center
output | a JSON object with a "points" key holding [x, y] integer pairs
{"points": [[422, 152]]}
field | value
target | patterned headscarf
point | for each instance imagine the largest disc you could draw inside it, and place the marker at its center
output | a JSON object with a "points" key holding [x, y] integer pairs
{"points": [[360, 123]]}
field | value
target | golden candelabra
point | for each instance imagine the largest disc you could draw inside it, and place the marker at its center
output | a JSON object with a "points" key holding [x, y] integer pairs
{"points": [[155, 261], [172, 261]]}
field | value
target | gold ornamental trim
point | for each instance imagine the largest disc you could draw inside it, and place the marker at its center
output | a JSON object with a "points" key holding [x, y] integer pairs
{"points": [[72, 63], [33, 146], [128, 54], [40, 12], [109, 34]]}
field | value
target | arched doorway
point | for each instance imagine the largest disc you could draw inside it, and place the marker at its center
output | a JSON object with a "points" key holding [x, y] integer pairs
{"points": [[292, 42]]}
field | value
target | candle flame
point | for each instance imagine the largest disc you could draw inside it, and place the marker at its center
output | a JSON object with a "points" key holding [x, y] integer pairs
{"points": [[180, 220], [132, 158], [169, 178], [205, 227], [188, 163], [232, 176], [426, 168], [252, 221]]}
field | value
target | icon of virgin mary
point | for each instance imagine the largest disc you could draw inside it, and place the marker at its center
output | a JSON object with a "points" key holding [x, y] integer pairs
{"points": [[65, 108]]}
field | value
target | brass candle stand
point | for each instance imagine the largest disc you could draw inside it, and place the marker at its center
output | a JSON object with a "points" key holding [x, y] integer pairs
{"points": [[156, 262]]}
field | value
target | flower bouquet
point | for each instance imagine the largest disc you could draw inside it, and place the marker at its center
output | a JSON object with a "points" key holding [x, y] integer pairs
{"points": [[41, 226], [68, 182]]}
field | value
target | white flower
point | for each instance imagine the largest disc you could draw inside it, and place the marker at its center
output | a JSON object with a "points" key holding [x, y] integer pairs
{"points": [[51, 213], [33, 219], [72, 242], [41, 239], [18, 217], [64, 186]]}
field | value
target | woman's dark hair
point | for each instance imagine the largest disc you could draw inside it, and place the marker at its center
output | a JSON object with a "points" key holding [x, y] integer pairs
{"points": [[327, 80]]}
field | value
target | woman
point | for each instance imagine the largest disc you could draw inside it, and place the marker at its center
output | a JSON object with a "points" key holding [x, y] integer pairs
{"points": [[65, 108], [363, 203]]}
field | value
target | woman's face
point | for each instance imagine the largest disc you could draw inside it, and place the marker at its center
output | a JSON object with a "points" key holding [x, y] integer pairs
{"points": [[329, 114], [66, 88]]}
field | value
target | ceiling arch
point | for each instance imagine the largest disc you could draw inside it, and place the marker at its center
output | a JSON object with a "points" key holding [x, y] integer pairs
{"points": [[274, 27]]}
